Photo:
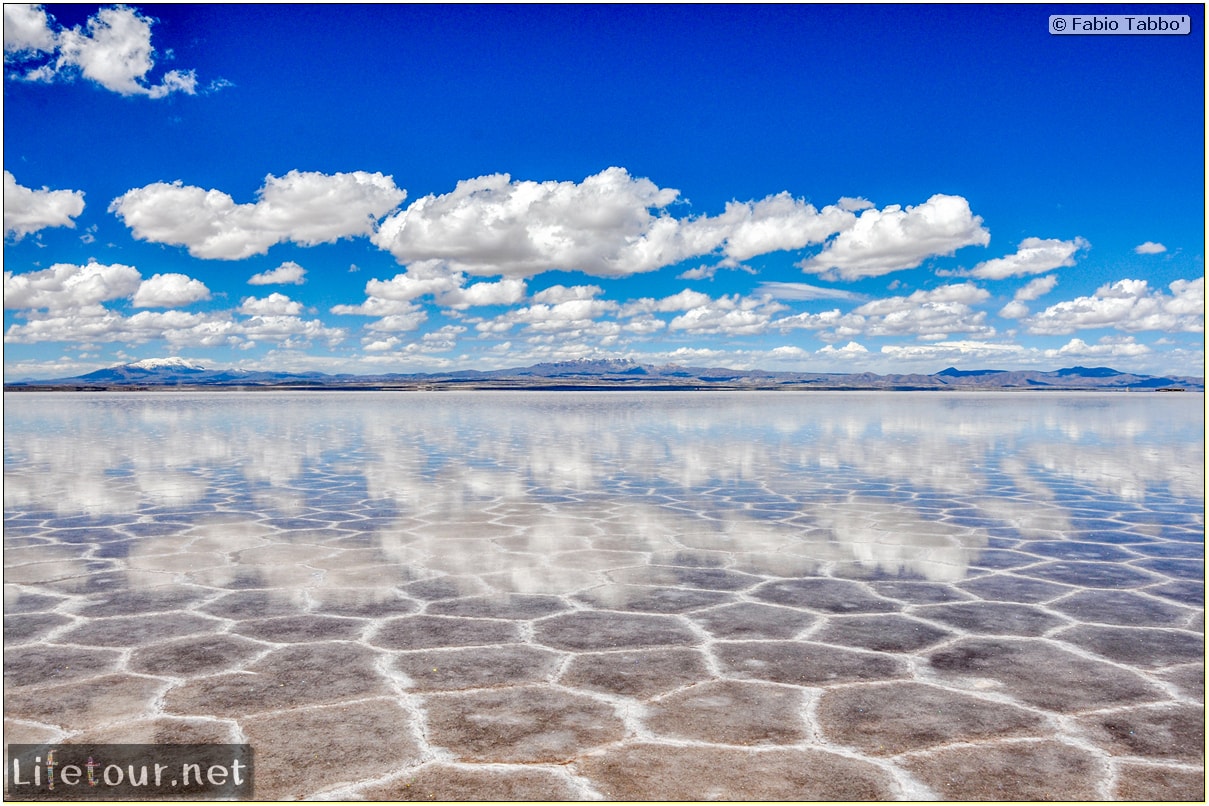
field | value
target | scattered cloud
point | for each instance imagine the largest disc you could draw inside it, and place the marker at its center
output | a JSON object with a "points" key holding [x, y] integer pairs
{"points": [[773, 224], [305, 208], [1037, 288], [895, 238], [273, 305], [1032, 256], [1149, 248], [169, 290], [66, 286], [27, 211], [1129, 305], [602, 226], [683, 301], [804, 291], [27, 30], [851, 348], [507, 291], [113, 49], [1107, 347], [731, 315], [288, 273]]}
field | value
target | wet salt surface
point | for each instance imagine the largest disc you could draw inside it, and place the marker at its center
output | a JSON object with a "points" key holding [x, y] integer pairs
{"points": [[529, 596]]}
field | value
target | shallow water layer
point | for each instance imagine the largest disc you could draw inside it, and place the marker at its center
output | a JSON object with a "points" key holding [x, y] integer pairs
{"points": [[673, 596]]}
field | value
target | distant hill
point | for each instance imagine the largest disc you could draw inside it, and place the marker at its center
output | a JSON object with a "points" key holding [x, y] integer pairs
{"points": [[604, 374]]}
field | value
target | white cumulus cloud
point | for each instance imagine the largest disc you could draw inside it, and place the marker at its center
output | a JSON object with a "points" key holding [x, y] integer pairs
{"points": [[27, 29], [1032, 256], [113, 49], [273, 305], [66, 286], [492, 225], [26, 211], [306, 208], [1129, 305], [507, 291], [288, 273], [1149, 248], [1037, 288], [169, 290], [894, 238]]}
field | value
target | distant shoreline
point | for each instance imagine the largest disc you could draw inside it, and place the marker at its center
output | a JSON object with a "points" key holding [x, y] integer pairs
{"points": [[568, 387]]}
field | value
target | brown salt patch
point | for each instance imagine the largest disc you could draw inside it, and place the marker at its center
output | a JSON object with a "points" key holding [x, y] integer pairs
{"points": [[597, 560], [424, 632], [300, 629], [370, 576], [445, 587], [1012, 588], [200, 655], [888, 719], [184, 561], [639, 673], [19, 601], [502, 606], [299, 753], [890, 633], [1091, 574], [139, 630], [136, 602], [730, 712], [525, 576], [670, 773], [1121, 607], [302, 674], [21, 629], [1077, 550], [249, 577], [86, 703], [104, 582], [1143, 646], [161, 730], [525, 724], [804, 663], [691, 558], [752, 620], [478, 667], [256, 604], [1009, 771], [995, 618], [641, 598], [449, 782], [285, 553], [600, 630], [1174, 732], [776, 564], [1190, 680], [21, 733], [364, 602], [718, 579], [830, 595], [917, 592], [1042, 674], [1158, 784], [35, 665]]}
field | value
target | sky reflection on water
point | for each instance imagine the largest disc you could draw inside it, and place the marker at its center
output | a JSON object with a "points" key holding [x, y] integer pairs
{"points": [[780, 482]]}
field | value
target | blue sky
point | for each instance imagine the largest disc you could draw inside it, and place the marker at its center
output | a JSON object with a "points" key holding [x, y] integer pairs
{"points": [[419, 188]]}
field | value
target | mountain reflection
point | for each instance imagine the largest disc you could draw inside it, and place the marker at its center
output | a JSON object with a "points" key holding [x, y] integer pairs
{"points": [[524, 491]]}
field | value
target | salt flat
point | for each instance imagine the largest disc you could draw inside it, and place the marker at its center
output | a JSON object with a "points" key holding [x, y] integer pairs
{"points": [[566, 596]]}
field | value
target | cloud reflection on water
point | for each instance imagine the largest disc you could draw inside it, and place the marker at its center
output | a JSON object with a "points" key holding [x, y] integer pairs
{"points": [[504, 485]]}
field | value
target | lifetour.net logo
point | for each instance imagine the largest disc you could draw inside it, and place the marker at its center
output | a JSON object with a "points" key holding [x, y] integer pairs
{"points": [[129, 771]]}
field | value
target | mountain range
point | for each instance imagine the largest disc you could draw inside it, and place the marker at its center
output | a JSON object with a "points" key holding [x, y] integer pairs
{"points": [[588, 374]]}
